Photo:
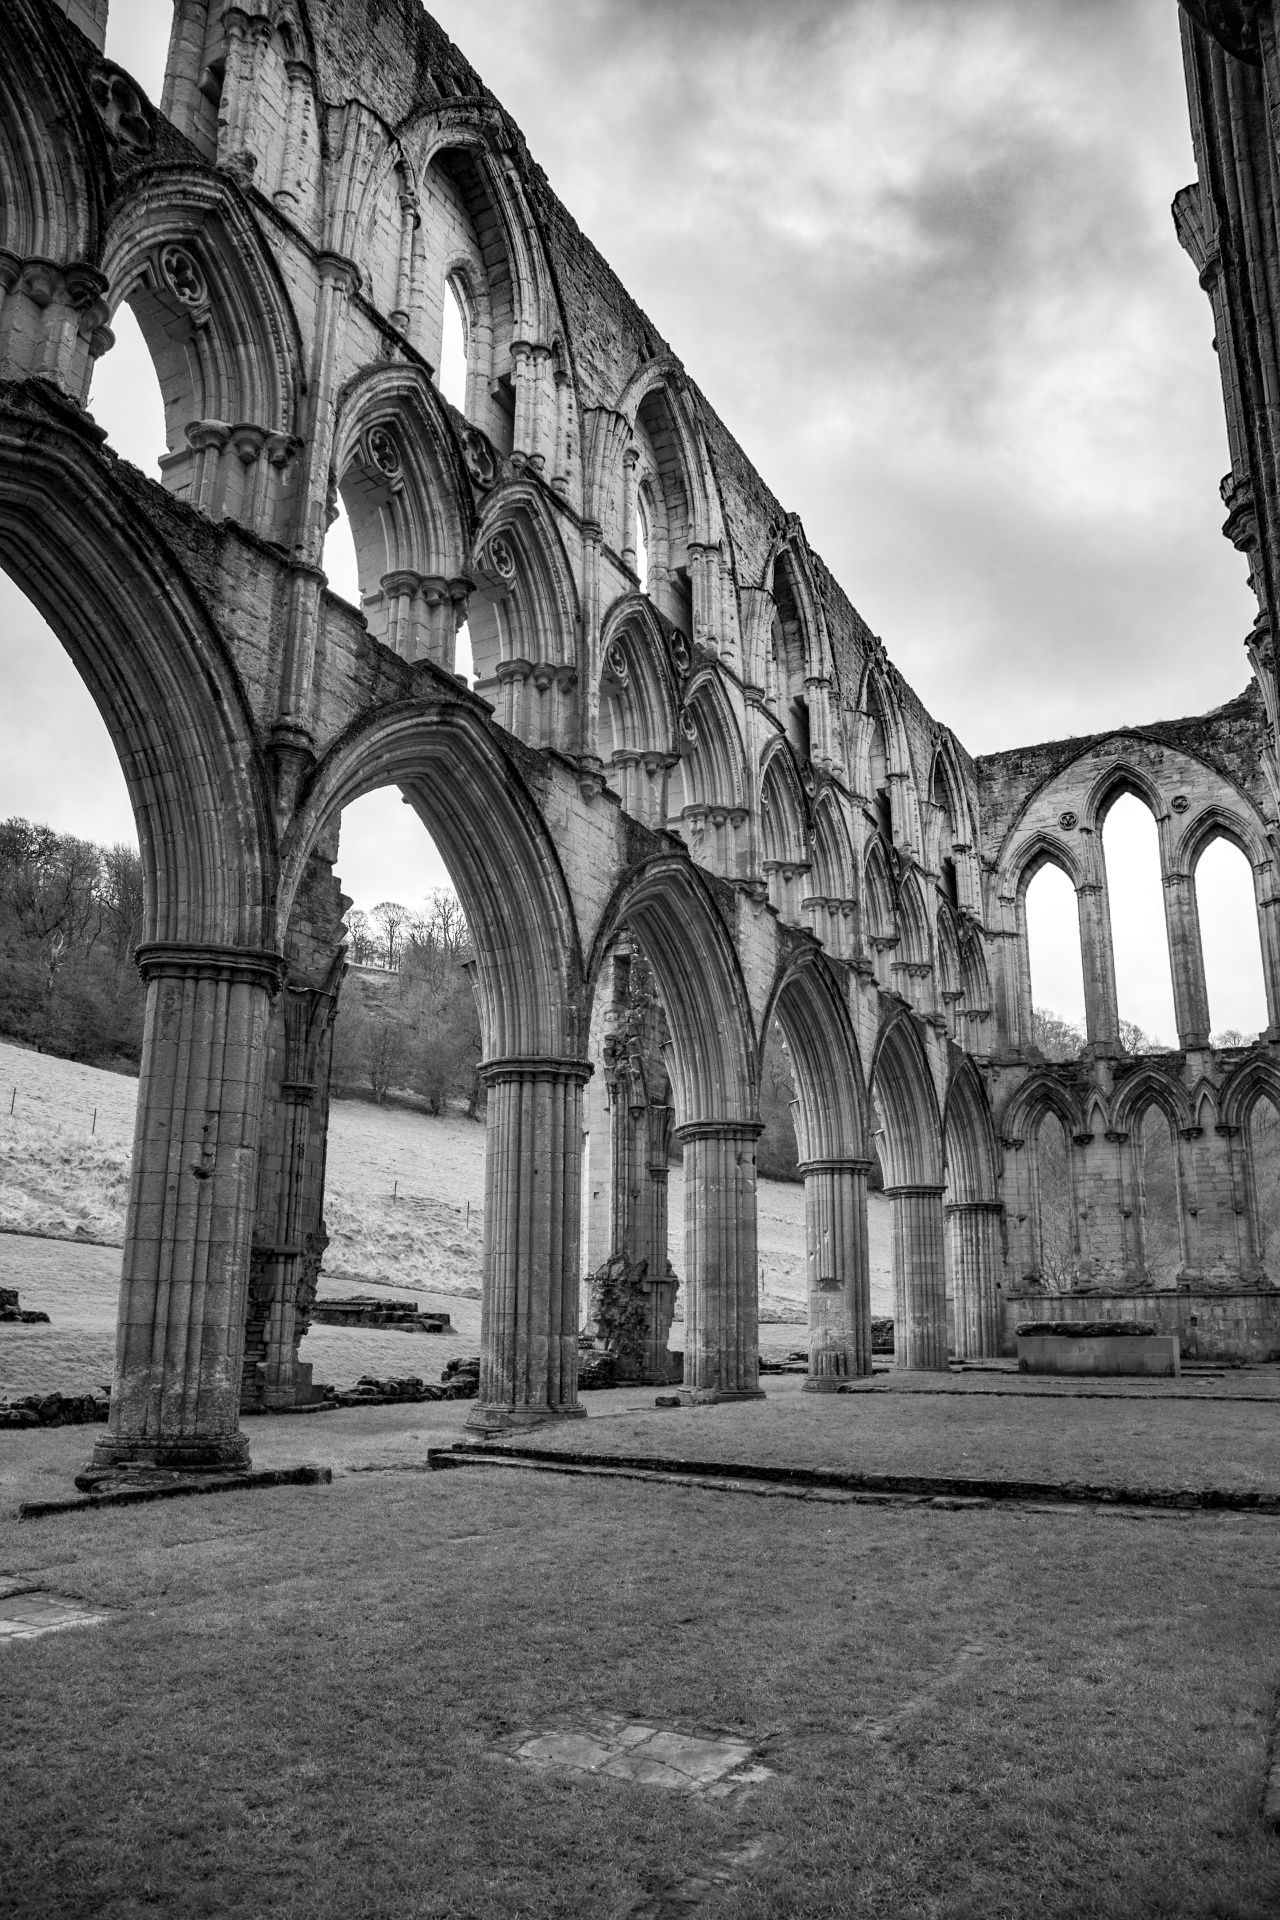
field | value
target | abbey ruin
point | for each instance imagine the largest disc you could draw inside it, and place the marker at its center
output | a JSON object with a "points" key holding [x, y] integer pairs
{"points": [[712, 766]]}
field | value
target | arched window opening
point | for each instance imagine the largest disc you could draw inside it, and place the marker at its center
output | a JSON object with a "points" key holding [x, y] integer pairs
{"points": [[1053, 954], [642, 542], [1229, 941], [463, 662], [1056, 1257], [1264, 1184], [339, 560], [451, 376], [1155, 1161], [663, 494], [71, 888], [125, 396], [1135, 890]]}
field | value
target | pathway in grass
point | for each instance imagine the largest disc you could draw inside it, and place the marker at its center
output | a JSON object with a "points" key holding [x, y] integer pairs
{"points": [[986, 1714]]}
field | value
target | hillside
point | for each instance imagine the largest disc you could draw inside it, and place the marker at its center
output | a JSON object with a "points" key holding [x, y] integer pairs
{"points": [[404, 1209]]}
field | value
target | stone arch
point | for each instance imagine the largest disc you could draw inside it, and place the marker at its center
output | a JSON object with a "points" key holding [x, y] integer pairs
{"points": [[713, 770], [784, 834], [1111, 783], [1138, 1091], [107, 582], [223, 338], [397, 467], [913, 919], [1218, 822], [880, 896], [835, 897], [789, 578], [452, 770], [672, 913], [831, 1107], [969, 1138], [638, 702], [524, 618], [53, 154], [902, 1083], [950, 982]]}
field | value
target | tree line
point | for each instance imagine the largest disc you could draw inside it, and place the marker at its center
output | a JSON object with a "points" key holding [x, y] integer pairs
{"points": [[70, 920], [415, 1029]]}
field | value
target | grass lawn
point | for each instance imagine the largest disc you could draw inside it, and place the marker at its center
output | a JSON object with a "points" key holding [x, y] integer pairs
{"points": [[968, 1713]]}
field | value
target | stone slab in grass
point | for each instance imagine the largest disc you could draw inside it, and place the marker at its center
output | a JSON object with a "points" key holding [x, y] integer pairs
{"points": [[714, 1766], [24, 1616]]}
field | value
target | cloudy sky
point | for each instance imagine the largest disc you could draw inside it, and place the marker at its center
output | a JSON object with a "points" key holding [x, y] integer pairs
{"points": [[918, 254]]}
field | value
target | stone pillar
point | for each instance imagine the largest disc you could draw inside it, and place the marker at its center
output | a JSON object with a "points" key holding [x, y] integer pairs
{"points": [[919, 1280], [722, 1348], [533, 1197], [1186, 960], [1101, 1013], [973, 1243], [1265, 893], [839, 1272], [180, 1336], [410, 221], [288, 195], [630, 461]]}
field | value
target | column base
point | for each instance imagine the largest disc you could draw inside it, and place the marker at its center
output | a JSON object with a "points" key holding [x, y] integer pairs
{"points": [[142, 1461], [825, 1382], [507, 1419]]}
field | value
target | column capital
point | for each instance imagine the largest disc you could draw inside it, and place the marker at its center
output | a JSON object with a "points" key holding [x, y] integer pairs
{"points": [[718, 1130], [911, 1190], [975, 1206], [535, 1066], [193, 960]]}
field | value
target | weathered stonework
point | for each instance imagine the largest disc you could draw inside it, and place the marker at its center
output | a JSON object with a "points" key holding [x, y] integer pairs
{"points": [[717, 765]]}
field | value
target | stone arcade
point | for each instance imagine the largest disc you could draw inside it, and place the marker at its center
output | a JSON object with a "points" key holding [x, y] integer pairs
{"points": [[713, 770]]}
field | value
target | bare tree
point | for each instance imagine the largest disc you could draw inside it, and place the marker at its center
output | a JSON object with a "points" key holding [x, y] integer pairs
{"points": [[360, 937], [390, 917]]}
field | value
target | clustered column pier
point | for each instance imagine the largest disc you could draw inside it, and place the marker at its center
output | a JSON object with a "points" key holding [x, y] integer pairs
{"points": [[839, 1272], [973, 1242], [175, 1399], [919, 1279], [722, 1353], [533, 1199]]}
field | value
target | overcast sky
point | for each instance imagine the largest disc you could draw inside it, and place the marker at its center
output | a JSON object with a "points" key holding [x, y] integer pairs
{"points": [[918, 254]]}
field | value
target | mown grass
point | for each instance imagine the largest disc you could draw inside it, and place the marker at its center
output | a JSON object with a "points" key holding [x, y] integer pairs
{"points": [[969, 1713]]}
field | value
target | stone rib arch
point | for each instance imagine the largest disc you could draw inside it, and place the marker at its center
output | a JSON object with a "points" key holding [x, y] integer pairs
{"points": [[784, 829], [1119, 778], [54, 166], [671, 911], [104, 577], [1255, 1078], [1025, 859], [1145, 1088], [525, 620], [1243, 828], [223, 338], [452, 770], [911, 1146], [835, 895], [1040, 1094], [714, 774], [789, 578], [969, 1138], [638, 701], [831, 1107], [397, 466]]}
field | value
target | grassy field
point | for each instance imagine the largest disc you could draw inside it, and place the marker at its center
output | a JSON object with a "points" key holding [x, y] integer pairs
{"points": [[404, 1209], [297, 1705]]}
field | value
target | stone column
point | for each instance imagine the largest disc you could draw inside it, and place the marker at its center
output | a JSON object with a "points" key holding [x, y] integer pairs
{"points": [[533, 1198], [630, 461], [410, 221], [722, 1348], [288, 195], [919, 1280], [180, 1335], [839, 1270], [973, 1242], [1186, 960], [1101, 1013]]}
